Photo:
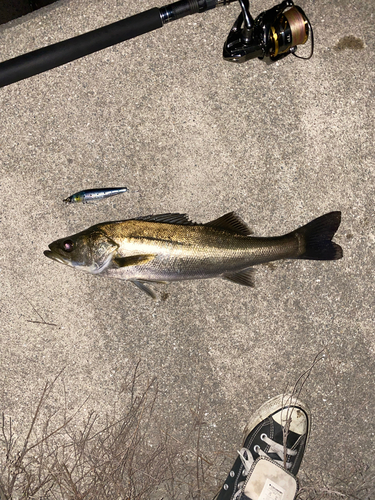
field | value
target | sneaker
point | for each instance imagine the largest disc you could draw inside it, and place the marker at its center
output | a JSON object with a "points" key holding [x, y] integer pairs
{"points": [[282, 420]]}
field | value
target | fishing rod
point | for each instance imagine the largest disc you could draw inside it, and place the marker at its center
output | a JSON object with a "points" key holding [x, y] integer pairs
{"points": [[274, 34]]}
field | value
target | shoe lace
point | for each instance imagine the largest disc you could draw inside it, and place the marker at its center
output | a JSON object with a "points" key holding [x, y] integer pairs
{"points": [[248, 460]]}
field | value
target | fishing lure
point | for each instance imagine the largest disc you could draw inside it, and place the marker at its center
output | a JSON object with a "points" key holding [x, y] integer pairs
{"points": [[94, 194]]}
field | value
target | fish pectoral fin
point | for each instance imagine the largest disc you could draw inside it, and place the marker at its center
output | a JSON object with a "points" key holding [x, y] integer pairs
{"points": [[231, 222], [142, 286], [244, 277], [133, 260]]}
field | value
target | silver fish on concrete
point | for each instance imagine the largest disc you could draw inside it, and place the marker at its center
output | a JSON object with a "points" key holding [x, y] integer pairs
{"points": [[169, 247]]}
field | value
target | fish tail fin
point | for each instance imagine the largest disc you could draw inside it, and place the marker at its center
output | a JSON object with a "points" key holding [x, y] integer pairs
{"points": [[317, 236]]}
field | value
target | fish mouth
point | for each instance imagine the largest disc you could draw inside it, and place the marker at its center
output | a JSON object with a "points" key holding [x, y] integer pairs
{"points": [[53, 256]]}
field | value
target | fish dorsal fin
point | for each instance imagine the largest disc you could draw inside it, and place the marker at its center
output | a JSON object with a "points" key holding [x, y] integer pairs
{"points": [[180, 219], [244, 277], [231, 222], [133, 260]]}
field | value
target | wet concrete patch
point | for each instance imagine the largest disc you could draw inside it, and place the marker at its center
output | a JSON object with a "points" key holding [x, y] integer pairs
{"points": [[349, 42]]}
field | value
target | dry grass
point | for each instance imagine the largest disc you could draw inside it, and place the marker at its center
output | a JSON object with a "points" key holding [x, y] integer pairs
{"points": [[127, 455]]}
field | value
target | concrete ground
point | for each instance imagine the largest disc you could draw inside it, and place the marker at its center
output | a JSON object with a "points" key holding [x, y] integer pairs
{"points": [[188, 132]]}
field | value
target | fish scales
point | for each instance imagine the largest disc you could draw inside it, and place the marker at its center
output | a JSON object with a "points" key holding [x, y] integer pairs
{"points": [[188, 252]]}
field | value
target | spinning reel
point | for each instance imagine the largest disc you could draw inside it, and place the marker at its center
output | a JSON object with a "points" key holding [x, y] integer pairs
{"points": [[275, 33]]}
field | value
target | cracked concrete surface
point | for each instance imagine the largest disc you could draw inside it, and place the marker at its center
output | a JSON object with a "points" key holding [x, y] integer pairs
{"points": [[188, 132]]}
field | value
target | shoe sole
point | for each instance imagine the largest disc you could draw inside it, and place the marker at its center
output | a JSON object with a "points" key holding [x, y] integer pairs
{"points": [[274, 405]]}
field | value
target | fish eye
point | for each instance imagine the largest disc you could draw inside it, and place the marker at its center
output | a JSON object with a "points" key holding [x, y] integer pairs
{"points": [[68, 245]]}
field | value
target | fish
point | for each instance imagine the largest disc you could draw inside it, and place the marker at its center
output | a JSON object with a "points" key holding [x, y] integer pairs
{"points": [[94, 194], [170, 247]]}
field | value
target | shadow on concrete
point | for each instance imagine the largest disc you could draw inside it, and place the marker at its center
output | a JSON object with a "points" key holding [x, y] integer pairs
{"points": [[11, 9]]}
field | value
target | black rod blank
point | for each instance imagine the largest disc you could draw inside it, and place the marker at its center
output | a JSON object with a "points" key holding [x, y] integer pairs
{"points": [[49, 57]]}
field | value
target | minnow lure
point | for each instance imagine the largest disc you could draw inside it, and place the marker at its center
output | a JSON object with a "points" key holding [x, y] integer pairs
{"points": [[94, 194]]}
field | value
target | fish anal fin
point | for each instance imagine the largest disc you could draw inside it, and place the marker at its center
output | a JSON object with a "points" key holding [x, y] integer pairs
{"points": [[244, 277], [231, 222], [133, 260]]}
